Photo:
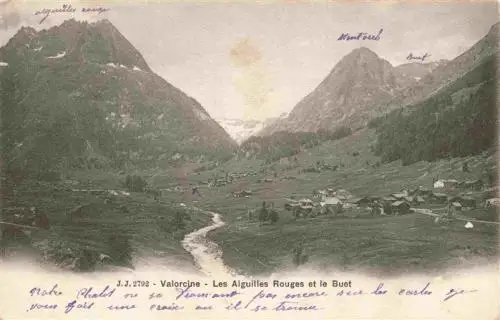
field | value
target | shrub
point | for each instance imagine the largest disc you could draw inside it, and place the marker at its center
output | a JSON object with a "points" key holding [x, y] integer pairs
{"points": [[135, 183], [273, 216]]}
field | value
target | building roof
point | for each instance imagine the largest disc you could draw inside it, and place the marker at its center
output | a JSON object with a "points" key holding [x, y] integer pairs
{"points": [[332, 201], [399, 203]]}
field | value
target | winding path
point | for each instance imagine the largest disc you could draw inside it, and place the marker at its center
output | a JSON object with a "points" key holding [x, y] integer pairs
{"points": [[207, 254]]}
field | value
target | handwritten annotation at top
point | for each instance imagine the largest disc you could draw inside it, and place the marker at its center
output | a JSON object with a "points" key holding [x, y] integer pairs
{"points": [[421, 58], [67, 8], [312, 296], [360, 36]]}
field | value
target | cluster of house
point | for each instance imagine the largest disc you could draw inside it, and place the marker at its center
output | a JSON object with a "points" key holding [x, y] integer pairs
{"points": [[242, 194], [330, 202], [455, 184], [401, 202], [228, 178]]}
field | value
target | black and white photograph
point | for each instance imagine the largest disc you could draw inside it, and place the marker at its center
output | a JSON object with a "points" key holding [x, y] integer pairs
{"points": [[247, 140]]}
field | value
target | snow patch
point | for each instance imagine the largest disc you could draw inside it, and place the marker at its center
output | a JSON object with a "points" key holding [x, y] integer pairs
{"points": [[122, 66], [111, 64], [201, 115], [136, 68], [38, 49], [240, 129], [417, 78], [58, 56], [160, 116], [3, 64]]}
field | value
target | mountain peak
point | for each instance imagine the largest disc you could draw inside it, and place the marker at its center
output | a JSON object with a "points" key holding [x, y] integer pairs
{"points": [[99, 42], [360, 55], [363, 50]]}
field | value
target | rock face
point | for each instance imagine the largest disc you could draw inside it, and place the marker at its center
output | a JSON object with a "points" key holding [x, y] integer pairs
{"points": [[80, 95], [363, 86], [418, 70]]}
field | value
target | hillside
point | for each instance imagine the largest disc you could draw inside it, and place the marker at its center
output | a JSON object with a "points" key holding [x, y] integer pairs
{"points": [[80, 95], [448, 72], [458, 120]]}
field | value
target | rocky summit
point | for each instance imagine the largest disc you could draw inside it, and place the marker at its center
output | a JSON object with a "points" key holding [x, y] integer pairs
{"points": [[346, 96]]}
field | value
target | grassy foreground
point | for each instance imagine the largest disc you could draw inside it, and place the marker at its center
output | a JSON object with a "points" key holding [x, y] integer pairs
{"points": [[129, 228]]}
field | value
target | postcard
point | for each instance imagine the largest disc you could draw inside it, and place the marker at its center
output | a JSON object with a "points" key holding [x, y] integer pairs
{"points": [[249, 160]]}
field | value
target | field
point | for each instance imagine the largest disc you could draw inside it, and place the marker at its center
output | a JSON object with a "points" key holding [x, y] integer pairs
{"points": [[131, 229]]}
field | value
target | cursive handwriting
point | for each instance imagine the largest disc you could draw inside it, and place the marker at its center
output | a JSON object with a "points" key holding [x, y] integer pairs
{"points": [[360, 36], [38, 306], [87, 299], [416, 292], [422, 58], [87, 293], [294, 306], [42, 292], [66, 8], [75, 305], [453, 292], [171, 307], [187, 294]]}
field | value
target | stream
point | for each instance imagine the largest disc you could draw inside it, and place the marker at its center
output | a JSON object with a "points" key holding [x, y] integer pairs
{"points": [[207, 254]]}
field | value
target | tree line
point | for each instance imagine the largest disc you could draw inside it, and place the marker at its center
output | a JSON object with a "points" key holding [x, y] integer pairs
{"points": [[442, 126], [285, 144]]}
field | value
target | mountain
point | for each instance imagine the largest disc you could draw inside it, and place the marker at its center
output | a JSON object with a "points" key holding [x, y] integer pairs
{"points": [[418, 70], [240, 129], [346, 96], [363, 86], [450, 71], [80, 95]]}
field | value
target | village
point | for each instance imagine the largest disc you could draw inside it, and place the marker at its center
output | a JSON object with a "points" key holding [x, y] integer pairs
{"points": [[444, 199]]}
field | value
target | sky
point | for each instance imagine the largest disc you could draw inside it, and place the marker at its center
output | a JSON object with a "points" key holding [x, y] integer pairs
{"points": [[257, 60]]}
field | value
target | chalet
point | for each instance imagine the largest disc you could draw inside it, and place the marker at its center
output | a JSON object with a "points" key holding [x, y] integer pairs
{"points": [[464, 201], [399, 196], [400, 207], [409, 199], [472, 185], [242, 194], [445, 184], [364, 201], [438, 197], [342, 194], [421, 191], [493, 202], [418, 199], [306, 203], [456, 206], [389, 199], [331, 204]]}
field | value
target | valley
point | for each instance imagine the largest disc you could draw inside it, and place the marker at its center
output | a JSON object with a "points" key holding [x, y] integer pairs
{"points": [[380, 169]]}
